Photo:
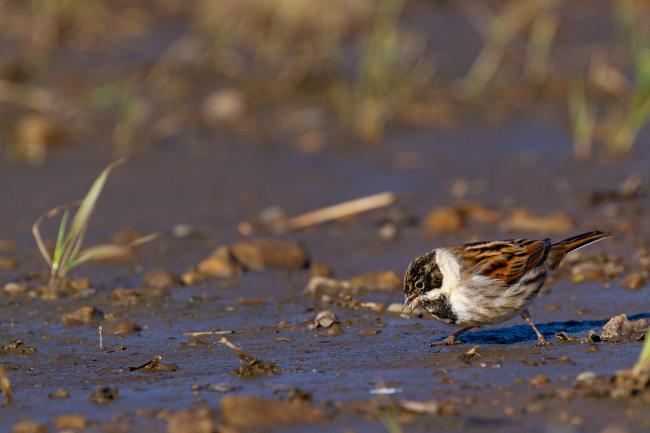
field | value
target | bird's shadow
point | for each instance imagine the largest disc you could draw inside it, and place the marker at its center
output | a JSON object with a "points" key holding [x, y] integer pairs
{"points": [[521, 333]]}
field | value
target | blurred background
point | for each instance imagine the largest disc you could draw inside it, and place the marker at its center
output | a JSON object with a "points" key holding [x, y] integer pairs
{"points": [[227, 107]]}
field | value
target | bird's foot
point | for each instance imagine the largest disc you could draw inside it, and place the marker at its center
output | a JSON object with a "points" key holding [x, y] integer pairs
{"points": [[542, 342]]}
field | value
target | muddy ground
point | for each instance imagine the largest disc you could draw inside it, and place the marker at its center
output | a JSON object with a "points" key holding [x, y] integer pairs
{"points": [[205, 188], [214, 180]]}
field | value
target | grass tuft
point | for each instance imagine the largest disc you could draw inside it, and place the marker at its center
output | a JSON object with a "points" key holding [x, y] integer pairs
{"points": [[392, 68], [68, 252]]}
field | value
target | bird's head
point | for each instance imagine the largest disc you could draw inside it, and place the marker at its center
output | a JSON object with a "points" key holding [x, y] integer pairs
{"points": [[422, 280]]}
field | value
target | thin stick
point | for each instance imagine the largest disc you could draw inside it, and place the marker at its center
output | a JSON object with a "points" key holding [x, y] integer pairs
{"points": [[224, 340], [204, 333], [340, 210], [101, 338]]}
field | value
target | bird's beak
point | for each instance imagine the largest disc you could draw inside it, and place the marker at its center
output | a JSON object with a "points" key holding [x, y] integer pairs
{"points": [[411, 303]]}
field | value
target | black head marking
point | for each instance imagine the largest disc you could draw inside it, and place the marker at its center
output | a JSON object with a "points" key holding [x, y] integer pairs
{"points": [[422, 275], [440, 308]]}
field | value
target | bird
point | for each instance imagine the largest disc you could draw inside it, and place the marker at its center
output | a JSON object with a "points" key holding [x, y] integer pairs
{"points": [[486, 283]]}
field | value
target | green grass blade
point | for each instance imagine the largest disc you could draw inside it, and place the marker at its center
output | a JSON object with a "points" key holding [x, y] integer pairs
{"points": [[74, 251], [60, 240], [75, 236], [87, 206]]}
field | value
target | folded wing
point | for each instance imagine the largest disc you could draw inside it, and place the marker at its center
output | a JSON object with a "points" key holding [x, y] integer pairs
{"points": [[505, 261]]}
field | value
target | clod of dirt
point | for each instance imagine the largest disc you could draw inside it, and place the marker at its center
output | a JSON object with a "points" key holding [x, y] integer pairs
{"points": [[7, 246], [430, 407], [323, 319], [15, 289], [592, 337], [253, 367], [563, 337], [594, 266], [83, 316], [79, 284], [60, 393], [185, 231], [192, 421], [388, 232], [70, 422], [273, 219], [634, 280], [75, 288], [125, 296], [249, 365], [261, 254], [629, 383], [319, 269], [7, 263], [619, 328], [34, 134], [375, 307], [319, 286], [540, 381], [220, 264], [119, 326], [215, 387], [28, 427], [642, 256], [335, 330], [250, 301], [5, 384], [478, 212], [155, 365], [521, 220], [17, 347], [398, 308], [630, 188], [191, 277], [159, 279], [586, 379], [383, 281], [249, 412], [369, 331], [223, 105], [444, 220], [467, 357], [104, 394]]}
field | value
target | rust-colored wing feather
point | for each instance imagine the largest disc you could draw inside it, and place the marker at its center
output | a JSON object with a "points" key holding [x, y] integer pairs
{"points": [[506, 261]]}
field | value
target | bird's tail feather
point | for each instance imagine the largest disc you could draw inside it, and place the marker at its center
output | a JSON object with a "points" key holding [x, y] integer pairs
{"points": [[562, 248]]}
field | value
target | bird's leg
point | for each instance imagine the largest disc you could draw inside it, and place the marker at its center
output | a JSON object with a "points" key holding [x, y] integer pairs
{"points": [[541, 341], [451, 340]]}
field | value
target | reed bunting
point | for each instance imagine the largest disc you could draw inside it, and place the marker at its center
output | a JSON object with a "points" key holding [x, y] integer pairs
{"points": [[484, 283]]}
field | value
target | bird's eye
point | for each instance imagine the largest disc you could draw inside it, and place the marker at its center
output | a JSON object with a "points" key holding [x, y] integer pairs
{"points": [[419, 284]]}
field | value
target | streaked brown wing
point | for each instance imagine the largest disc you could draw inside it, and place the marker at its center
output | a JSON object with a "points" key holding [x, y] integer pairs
{"points": [[506, 261]]}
